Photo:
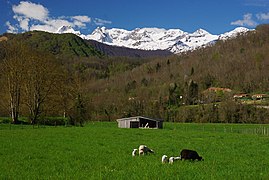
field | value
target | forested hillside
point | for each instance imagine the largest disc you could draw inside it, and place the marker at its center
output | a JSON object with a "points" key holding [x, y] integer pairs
{"points": [[126, 52], [67, 45], [92, 86], [173, 87]]}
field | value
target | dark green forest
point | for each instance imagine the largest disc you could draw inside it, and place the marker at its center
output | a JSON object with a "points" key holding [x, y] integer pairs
{"points": [[48, 78]]}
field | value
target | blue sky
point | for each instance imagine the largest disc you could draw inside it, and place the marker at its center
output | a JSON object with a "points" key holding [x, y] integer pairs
{"points": [[215, 16]]}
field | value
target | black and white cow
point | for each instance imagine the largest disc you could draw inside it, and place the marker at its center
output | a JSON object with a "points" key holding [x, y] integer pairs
{"points": [[143, 149]]}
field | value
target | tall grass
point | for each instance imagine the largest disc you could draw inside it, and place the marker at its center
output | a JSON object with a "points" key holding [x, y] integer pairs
{"points": [[103, 151]]}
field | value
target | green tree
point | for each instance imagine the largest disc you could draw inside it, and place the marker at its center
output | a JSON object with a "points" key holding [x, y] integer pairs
{"points": [[174, 94], [191, 93], [78, 108]]}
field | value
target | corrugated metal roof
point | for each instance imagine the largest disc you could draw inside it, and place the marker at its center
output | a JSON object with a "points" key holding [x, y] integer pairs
{"points": [[138, 117]]}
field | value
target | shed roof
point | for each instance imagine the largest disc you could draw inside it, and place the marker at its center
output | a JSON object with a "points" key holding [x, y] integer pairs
{"points": [[138, 117]]}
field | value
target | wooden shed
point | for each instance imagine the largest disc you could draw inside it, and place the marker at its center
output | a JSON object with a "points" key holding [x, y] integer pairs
{"points": [[140, 122]]}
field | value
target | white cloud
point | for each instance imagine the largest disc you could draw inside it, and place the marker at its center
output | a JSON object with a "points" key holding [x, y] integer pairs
{"points": [[23, 22], [32, 16], [263, 16], [45, 27], [246, 21], [31, 10], [51, 25], [79, 24], [80, 21], [10, 28], [57, 23], [101, 22], [84, 19]]}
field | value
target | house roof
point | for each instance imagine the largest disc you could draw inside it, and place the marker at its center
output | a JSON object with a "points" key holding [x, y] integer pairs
{"points": [[138, 117], [259, 95], [240, 95], [219, 89]]}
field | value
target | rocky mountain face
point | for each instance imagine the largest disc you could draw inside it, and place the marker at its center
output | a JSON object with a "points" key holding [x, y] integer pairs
{"points": [[173, 40]]}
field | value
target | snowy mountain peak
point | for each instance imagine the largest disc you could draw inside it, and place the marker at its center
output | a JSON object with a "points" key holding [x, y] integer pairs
{"points": [[200, 32], [101, 35], [174, 40], [241, 29], [68, 29], [232, 34], [64, 29]]}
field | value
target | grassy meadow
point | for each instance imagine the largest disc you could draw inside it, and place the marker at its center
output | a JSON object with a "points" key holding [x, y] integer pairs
{"points": [[103, 151]]}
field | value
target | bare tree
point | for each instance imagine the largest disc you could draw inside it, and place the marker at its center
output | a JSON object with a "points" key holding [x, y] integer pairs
{"points": [[13, 67], [40, 79]]}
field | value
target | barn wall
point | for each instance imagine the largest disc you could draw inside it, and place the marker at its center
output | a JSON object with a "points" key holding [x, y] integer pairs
{"points": [[160, 125], [126, 123]]}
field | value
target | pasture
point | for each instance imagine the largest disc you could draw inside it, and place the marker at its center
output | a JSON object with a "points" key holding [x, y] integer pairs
{"points": [[103, 151]]}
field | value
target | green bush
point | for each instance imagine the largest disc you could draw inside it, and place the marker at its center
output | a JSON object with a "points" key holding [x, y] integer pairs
{"points": [[225, 112], [5, 120], [53, 121]]}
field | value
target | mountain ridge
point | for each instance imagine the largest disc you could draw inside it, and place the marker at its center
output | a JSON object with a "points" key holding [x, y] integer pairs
{"points": [[71, 44], [173, 40]]}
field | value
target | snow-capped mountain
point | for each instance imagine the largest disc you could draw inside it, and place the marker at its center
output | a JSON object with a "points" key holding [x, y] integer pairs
{"points": [[233, 33], [174, 40], [68, 29]]}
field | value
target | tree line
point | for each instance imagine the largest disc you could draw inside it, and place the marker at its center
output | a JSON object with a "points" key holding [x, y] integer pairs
{"points": [[170, 87], [37, 84], [33, 84]]}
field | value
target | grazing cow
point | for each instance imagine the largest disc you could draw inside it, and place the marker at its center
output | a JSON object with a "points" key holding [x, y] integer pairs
{"points": [[143, 149], [134, 152], [164, 159], [172, 159], [190, 154]]}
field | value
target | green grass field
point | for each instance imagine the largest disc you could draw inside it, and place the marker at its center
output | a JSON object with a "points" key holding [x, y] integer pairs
{"points": [[103, 151]]}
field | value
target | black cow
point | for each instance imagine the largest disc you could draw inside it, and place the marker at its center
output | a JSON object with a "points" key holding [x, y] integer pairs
{"points": [[190, 154]]}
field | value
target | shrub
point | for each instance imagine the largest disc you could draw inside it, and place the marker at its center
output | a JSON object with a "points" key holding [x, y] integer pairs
{"points": [[53, 121], [5, 120]]}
